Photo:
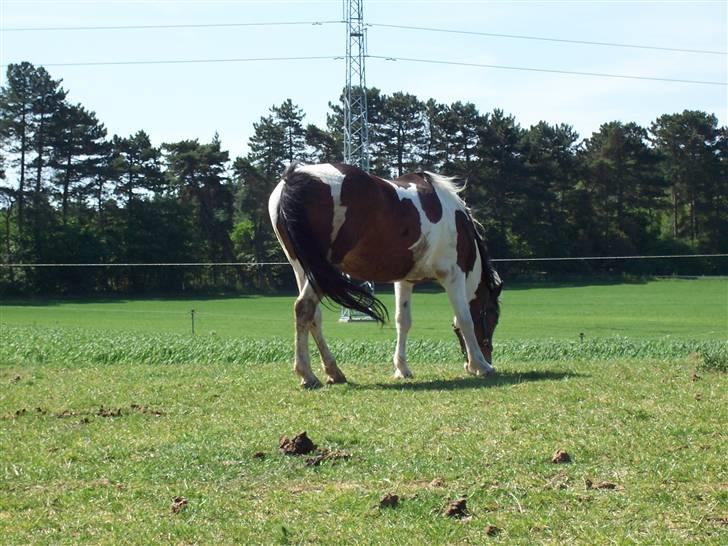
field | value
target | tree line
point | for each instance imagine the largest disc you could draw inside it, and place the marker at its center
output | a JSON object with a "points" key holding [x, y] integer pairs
{"points": [[71, 193]]}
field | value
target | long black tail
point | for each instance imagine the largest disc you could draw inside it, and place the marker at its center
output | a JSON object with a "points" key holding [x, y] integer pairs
{"points": [[326, 279]]}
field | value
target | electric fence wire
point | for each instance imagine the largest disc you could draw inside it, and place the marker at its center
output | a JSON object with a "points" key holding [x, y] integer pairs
{"points": [[268, 264]]}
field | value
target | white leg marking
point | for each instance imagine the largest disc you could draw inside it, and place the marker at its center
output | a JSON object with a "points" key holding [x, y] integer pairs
{"points": [[403, 318], [304, 313], [332, 371], [455, 287]]}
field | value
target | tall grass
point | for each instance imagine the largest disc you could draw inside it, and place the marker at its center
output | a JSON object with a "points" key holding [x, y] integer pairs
{"points": [[72, 347]]}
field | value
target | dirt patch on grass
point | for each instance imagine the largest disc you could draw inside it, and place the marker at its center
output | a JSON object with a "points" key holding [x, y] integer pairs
{"points": [[179, 504], [599, 484], [146, 410], [108, 412], [457, 508], [327, 455], [390, 500], [300, 444], [560, 457]]}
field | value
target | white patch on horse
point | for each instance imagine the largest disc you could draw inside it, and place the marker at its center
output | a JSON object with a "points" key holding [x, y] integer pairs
{"points": [[332, 177], [436, 249]]}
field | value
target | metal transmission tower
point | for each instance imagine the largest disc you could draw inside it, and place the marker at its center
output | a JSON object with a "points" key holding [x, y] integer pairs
{"points": [[356, 132]]}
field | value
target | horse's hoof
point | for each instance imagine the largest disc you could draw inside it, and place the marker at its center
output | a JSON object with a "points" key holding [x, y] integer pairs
{"points": [[480, 371], [311, 384], [399, 374], [336, 378]]}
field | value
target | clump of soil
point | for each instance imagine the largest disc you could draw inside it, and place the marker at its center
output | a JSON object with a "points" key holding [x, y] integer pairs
{"points": [[301, 444], [146, 410], [492, 530], [179, 504], [599, 485], [108, 412], [389, 500], [260, 455], [327, 455], [560, 457], [457, 508], [437, 482]]}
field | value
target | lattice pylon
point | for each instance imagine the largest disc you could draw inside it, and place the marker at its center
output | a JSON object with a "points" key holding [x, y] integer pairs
{"points": [[356, 132]]}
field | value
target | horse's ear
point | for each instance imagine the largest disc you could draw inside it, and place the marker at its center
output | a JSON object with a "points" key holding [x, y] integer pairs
{"points": [[498, 289]]}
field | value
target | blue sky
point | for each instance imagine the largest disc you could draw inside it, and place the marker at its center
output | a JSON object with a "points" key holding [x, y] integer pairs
{"points": [[177, 101]]}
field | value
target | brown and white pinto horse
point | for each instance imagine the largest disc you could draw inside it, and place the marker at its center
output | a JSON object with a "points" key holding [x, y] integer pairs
{"points": [[337, 223]]}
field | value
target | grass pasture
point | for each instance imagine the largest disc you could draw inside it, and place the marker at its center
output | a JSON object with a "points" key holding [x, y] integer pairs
{"points": [[111, 410]]}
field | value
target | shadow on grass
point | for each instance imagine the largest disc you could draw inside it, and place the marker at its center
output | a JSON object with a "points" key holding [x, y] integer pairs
{"points": [[462, 383]]}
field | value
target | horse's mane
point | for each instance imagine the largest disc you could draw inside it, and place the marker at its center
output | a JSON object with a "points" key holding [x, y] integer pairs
{"points": [[451, 185], [491, 275]]}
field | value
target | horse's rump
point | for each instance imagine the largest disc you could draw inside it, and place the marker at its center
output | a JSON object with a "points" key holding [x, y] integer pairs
{"points": [[305, 216]]}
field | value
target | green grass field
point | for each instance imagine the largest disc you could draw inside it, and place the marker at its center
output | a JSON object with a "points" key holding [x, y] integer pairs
{"points": [[109, 410], [696, 309]]}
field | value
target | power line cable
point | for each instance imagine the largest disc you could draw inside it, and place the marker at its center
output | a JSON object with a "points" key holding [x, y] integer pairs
{"points": [[372, 25], [196, 61], [548, 70], [380, 57], [170, 26], [547, 39]]}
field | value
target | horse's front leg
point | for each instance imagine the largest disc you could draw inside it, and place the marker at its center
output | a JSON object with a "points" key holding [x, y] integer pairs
{"points": [[403, 318], [454, 285]]}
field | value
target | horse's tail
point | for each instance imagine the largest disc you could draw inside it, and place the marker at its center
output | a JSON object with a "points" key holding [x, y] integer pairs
{"points": [[324, 277]]}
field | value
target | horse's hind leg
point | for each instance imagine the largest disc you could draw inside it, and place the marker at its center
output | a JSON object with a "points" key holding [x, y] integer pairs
{"points": [[332, 371], [304, 315], [328, 362]]}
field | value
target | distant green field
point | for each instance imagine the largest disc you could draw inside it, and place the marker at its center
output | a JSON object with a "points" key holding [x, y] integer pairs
{"points": [[696, 309]]}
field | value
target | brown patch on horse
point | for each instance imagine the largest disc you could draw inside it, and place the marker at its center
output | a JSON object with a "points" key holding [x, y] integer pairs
{"points": [[429, 200], [375, 240], [466, 249]]}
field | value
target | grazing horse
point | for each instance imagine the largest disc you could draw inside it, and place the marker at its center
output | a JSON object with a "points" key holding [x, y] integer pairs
{"points": [[336, 223]]}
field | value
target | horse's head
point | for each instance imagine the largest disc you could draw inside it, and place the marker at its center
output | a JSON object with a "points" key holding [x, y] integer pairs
{"points": [[484, 308]]}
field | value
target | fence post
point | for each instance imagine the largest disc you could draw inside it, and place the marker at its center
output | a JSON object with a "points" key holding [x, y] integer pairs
{"points": [[192, 314]]}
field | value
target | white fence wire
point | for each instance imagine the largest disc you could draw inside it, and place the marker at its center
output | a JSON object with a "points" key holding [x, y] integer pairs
{"points": [[267, 264]]}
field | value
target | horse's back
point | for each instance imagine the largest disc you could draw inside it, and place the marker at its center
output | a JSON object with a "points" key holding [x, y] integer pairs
{"points": [[372, 228]]}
